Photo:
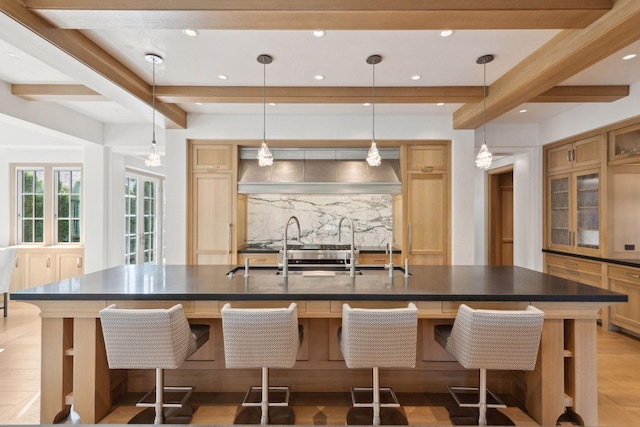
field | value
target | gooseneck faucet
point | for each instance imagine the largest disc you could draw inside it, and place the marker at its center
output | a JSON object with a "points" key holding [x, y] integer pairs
{"points": [[352, 266], [285, 268]]}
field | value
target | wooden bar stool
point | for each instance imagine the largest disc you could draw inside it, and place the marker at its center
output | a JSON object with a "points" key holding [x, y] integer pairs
{"points": [[262, 338], [374, 339], [491, 339], [153, 339]]}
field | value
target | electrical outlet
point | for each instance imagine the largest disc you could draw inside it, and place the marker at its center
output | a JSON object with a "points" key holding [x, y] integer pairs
{"points": [[629, 247]]}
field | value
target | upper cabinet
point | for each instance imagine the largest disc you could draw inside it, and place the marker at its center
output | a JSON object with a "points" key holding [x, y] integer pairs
{"points": [[573, 207], [207, 157], [624, 145], [427, 158], [573, 155]]}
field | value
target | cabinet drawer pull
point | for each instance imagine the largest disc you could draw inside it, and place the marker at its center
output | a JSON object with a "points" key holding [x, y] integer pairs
{"points": [[635, 276], [573, 272], [213, 166], [427, 169], [571, 263]]}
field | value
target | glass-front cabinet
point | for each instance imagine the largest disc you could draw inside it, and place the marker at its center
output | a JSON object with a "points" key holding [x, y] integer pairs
{"points": [[624, 145], [574, 212]]}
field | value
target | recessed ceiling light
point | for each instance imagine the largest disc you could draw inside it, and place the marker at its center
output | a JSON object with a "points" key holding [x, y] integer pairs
{"points": [[319, 33], [416, 77], [628, 57], [223, 77], [366, 104], [11, 55], [190, 32], [524, 110], [446, 33], [198, 103], [319, 77], [440, 104], [272, 104]]}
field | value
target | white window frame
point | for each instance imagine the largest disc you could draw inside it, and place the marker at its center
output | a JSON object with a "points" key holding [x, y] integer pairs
{"points": [[159, 224]]}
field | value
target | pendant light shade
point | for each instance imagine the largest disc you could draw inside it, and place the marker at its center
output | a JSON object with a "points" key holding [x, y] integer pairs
{"points": [[483, 160], [265, 158], [153, 158], [373, 156]]}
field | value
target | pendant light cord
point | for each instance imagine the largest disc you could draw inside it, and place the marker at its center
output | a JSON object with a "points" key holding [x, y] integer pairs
{"points": [[373, 104], [153, 101], [484, 103], [264, 101]]}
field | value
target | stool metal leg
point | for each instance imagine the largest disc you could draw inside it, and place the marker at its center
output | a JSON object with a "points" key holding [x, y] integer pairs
{"points": [[482, 419], [264, 417], [159, 396], [376, 396]]}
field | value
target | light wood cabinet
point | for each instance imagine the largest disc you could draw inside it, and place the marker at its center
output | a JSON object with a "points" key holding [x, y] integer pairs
{"points": [[396, 220], [626, 280], [242, 220], [212, 158], [258, 258], [379, 259], [624, 145], [583, 153], [211, 222], [573, 212], [582, 271], [426, 234], [39, 266]]}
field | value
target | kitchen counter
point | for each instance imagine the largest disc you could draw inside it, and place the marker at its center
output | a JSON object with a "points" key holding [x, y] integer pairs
{"points": [[75, 370], [619, 261]]}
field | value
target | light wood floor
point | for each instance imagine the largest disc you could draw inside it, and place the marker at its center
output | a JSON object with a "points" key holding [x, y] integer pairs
{"points": [[618, 385]]}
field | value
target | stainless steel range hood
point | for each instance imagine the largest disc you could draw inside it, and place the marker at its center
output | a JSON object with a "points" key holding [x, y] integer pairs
{"points": [[314, 171]]}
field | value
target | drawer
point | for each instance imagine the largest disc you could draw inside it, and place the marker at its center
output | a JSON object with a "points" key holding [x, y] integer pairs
{"points": [[593, 267], [188, 306], [452, 307], [258, 258], [625, 273], [336, 306], [264, 304], [378, 259], [575, 275]]}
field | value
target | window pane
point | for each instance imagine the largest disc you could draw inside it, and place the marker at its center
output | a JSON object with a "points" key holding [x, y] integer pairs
{"points": [[39, 206], [63, 206], [75, 182], [27, 181], [75, 206], [132, 206], [132, 226], [39, 182], [63, 231], [27, 230], [132, 246], [64, 182], [39, 230], [75, 231], [27, 206], [147, 189]]}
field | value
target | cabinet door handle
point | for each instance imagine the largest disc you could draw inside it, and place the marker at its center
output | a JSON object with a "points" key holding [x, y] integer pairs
{"points": [[568, 155], [410, 238], [17, 262], [49, 262], [229, 240], [213, 166], [635, 276], [427, 168], [79, 262]]}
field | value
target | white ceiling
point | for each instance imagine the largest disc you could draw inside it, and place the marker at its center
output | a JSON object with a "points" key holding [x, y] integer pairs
{"points": [[298, 56]]}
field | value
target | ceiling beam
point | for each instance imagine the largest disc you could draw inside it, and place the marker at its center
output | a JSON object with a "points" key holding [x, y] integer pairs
{"points": [[318, 95], [78, 46], [565, 55], [329, 15]]}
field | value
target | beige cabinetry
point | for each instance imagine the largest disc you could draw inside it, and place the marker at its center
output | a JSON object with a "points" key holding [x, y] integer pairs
{"points": [[573, 215], [213, 232], [426, 202], [624, 145], [379, 259], [583, 271], [39, 266], [626, 280], [258, 258], [584, 153]]}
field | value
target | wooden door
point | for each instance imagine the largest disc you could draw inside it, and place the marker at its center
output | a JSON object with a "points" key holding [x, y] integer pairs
{"points": [[501, 218]]}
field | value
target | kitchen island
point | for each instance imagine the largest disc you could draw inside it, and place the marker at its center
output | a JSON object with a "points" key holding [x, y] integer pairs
{"points": [[75, 371]]}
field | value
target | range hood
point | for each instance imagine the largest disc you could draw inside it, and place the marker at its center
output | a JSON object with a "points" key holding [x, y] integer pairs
{"points": [[319, 171]]}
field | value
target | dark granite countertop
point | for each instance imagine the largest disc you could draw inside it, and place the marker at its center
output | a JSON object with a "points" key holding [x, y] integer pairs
{"points": [[426, 283], [625, 262], [274, 249]]}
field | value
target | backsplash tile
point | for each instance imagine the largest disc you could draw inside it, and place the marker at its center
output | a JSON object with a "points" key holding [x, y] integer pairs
{"points": [[319, 216]]}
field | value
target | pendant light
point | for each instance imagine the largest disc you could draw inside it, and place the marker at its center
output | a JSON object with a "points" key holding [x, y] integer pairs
{"points": [[373, 156], [265, 158], [483, 160], [153, 159]]}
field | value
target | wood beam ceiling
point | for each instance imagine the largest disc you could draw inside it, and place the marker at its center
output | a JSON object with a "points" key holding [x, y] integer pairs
{"points": [[78, 46], [570, 52], [329, 15], [319, 95]]}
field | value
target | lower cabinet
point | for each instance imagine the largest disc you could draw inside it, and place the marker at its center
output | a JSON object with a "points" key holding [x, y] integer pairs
{"points": [[258, 258], [626, 280], [39, 266], [375, 259]]}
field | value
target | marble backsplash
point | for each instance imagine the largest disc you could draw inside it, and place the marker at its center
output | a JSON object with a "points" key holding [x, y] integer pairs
{"points": [[319, 216]]}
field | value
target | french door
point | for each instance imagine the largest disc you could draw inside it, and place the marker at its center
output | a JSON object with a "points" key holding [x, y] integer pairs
{"points": [[143, 219]]}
